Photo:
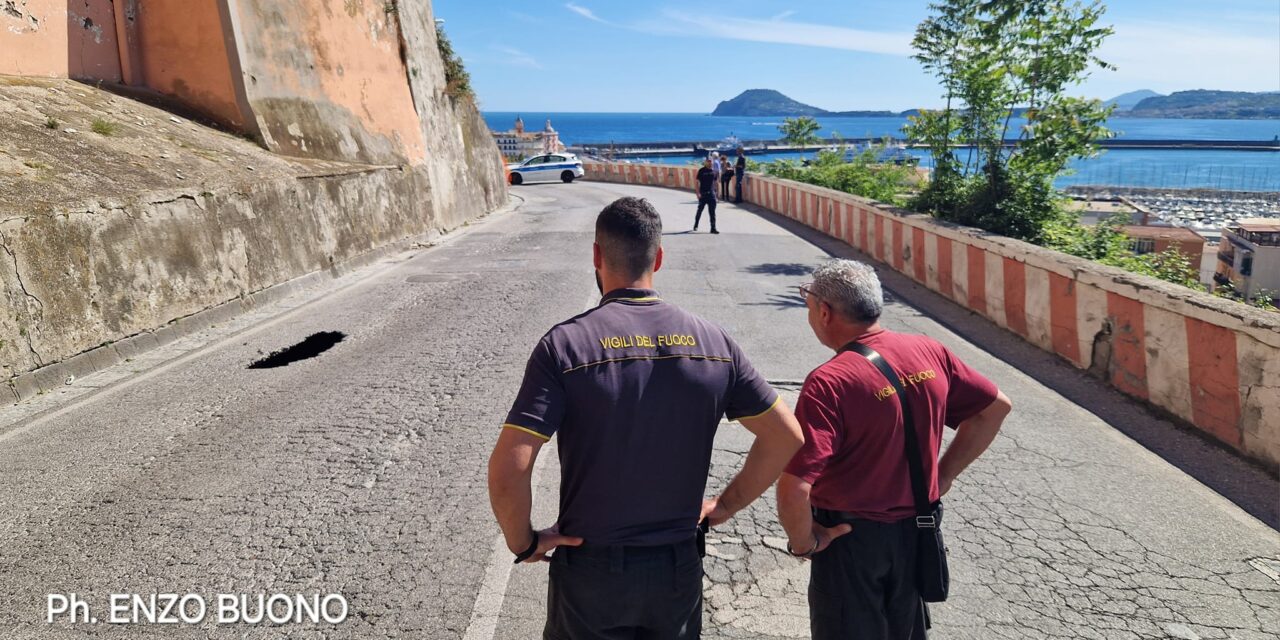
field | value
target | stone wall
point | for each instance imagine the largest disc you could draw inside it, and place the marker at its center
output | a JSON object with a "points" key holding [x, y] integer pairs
{"points": [[1209, 362], [117, 218]]}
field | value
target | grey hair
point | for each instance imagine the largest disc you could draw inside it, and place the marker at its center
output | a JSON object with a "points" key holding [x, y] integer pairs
{"points": [[851, 288]]}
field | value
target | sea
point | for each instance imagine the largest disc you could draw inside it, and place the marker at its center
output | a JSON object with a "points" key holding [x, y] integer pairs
{"points": [[1256, 171]]}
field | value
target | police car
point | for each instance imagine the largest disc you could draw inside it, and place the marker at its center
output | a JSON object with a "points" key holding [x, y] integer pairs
{"points": [[547, 168]]}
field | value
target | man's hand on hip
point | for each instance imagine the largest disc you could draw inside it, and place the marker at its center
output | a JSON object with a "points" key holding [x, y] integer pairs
{"points": [[715, 512], [548, 540], [822, 538]]}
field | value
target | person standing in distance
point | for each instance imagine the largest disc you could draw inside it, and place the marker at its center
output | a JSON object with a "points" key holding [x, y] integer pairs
{"points": [[705, 189], [634, 389], [726, 176], [852, 470], [739, 172]]}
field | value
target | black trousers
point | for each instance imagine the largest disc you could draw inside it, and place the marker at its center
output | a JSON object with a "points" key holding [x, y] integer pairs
{"points": [[724, 187], [738, 185], [625, 593], [707, 200], [864, 584]]}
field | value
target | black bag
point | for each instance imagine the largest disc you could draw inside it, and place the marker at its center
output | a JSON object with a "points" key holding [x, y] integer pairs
{"points": [[932, 577]]}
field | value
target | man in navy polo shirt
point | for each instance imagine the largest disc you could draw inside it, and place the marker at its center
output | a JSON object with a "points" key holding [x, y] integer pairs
{"points": [[845, 499], [635, 389]]}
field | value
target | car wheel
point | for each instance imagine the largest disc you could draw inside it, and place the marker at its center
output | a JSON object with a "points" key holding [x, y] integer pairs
{"points": [[566, 176], [516, 179]]}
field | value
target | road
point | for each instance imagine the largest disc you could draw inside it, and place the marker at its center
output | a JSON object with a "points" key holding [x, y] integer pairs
{"points": [[361, 471]]}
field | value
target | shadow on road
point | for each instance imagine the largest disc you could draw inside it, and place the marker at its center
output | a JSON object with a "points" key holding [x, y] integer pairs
{"points": [[780, 269]]}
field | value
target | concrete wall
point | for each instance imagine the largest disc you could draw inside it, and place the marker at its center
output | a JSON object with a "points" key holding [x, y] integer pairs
{"points": [[352, 91], [325, 79], [451, 126], [106, 271], [180, 48], [59, 39], [1212, 363]]}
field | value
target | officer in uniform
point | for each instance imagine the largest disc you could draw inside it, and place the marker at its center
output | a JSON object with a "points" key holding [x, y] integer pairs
{"points": [[634, 389]]}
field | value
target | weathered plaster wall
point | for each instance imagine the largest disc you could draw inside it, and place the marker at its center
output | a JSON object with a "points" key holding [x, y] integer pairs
{"points": [[59, 39], [451, 126], [179, 48], [325, 79], [104, 272], [1212, 363], [104, 235]]}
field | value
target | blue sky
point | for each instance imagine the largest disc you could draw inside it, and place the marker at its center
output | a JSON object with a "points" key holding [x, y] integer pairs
{"points": [[613, 55]]}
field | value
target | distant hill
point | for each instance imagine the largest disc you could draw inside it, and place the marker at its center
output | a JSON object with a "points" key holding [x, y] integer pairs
{"points": [[1127, 101], [770, 103], [1209, 104], [1135, 104], [765, 102]]}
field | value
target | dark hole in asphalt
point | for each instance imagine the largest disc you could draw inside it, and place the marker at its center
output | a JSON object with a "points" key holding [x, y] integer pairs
{"points": [[314, 345]]}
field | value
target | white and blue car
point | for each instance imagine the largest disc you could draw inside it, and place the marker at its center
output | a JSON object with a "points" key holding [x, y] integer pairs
{"points": [[550, 167]]}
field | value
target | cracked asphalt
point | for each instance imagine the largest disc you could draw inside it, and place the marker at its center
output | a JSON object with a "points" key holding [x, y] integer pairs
{"points": [[361, 471]]}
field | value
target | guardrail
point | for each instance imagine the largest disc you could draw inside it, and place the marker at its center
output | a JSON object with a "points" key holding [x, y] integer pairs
{"points": [[1210, 363]]}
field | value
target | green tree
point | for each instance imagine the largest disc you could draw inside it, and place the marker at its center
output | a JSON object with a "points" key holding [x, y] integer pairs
{"points": [[994, 60], [800, 132]]}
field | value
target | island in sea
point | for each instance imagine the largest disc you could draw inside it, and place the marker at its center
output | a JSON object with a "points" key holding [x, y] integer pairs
{"points": [[1199, 103]]}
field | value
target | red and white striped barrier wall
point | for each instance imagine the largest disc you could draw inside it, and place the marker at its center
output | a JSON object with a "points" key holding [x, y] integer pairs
{"points": [[1213, 363]]}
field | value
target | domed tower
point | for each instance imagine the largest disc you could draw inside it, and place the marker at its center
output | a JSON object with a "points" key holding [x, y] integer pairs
{"points": [[519, 125], [551, 140]]}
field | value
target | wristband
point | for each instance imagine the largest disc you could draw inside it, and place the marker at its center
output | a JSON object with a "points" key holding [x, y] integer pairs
{"points": [[816, 544], [528, 553]]}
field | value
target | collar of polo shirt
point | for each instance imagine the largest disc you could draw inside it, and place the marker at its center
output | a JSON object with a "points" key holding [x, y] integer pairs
{"points": [[631, 295]]}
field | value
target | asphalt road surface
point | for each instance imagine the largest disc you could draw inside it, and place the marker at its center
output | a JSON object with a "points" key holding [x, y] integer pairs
{"points": [[361, 471]]}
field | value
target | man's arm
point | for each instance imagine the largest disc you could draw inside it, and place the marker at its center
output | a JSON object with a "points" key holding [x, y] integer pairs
{"points": [[511, 494], [778, 438], [973, 436], [796, 514]]}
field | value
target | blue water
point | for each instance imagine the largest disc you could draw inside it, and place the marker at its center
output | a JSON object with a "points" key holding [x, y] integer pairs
{"points": [[601, 128], [1180, 169]]}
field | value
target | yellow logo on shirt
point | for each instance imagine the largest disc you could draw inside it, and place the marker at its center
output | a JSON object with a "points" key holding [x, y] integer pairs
{"points": [[651, 342], [910, 378]]}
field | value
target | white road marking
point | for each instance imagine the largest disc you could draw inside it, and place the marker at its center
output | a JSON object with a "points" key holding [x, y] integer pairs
{"points": [[497, 574]]}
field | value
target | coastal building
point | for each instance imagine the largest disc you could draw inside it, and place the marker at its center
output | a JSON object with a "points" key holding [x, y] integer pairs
{"points": [[1159, 238], [518, 144], [1249, 256]]}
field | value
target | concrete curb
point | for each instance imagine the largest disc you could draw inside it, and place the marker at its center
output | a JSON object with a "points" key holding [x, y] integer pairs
{"points": [[53, 376]]}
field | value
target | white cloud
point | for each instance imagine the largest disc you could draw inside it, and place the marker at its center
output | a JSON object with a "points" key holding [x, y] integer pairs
{"points": [[783, 16], [517, 58], [778, 30], [1175, 57], [586, 13]]}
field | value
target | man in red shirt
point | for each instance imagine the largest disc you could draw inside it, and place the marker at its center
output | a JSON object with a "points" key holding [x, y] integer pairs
{"points": [[845, 499]]}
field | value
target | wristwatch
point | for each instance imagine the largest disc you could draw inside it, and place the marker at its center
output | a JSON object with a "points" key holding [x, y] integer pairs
{"points": [[528, 553]]}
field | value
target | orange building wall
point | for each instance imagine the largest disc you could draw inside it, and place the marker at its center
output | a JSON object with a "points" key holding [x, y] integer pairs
{"points": [[325, 79], [60, 39], [180, 48]]}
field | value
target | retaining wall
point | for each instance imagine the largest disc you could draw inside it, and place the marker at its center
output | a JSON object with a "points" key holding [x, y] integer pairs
{"points": [[1212, 363]]}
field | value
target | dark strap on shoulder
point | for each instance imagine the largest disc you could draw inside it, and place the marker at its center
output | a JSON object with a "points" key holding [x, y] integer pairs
{"points": [[915, 465]]}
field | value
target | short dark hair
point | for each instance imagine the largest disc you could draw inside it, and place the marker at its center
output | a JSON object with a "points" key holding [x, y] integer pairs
{"points": [[629, 231]]}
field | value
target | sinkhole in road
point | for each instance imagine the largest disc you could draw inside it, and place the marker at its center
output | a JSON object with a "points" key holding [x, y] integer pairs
{"points": [[312, 346]]}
